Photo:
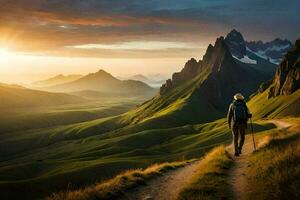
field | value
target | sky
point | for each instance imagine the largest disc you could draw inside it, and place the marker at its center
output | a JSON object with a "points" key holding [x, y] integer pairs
{"points": [[41, 38]]}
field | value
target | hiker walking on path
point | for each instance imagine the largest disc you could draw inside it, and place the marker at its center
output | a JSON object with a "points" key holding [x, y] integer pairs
{"points": [[239, 113]]}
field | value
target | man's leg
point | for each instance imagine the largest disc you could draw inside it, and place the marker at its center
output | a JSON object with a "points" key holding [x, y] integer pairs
{"points": [[235, 135], [242, 138]]}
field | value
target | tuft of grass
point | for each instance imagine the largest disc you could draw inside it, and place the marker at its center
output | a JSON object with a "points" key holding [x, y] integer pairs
{"points": [[275, 169], [120, 184], [210, 180]]}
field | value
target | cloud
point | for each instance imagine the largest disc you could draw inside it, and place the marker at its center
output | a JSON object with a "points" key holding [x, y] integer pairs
{"points": [[50, 26]]}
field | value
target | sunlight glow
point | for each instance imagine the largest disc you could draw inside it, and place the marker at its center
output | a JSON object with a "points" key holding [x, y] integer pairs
{"points": [[5, 53], [139, 45]]}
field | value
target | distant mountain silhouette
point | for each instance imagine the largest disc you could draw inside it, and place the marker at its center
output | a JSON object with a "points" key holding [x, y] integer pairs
{"points": [[139, 77], [59, 79], [102, 81], [154, 81]]}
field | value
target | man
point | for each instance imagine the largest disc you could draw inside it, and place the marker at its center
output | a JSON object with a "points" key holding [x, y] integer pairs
{"points": [[239, 113]]}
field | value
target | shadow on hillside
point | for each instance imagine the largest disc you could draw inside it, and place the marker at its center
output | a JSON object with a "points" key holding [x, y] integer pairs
{"points": [[260, 127]]}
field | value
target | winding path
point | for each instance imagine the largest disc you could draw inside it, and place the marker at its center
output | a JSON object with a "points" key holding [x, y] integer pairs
{"points": [[166, 187]]}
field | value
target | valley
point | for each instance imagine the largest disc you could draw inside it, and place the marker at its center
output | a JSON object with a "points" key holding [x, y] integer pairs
{"points": [[74, 134]]}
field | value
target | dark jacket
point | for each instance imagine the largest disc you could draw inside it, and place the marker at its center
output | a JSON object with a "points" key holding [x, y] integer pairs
{"points": [[230, 113]]}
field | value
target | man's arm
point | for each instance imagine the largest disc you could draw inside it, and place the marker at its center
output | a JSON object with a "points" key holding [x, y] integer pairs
{"points": [[230, 115], [249, 115]]}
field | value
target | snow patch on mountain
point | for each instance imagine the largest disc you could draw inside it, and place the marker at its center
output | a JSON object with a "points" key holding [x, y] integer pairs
{"points": [[278, 48], [246, 59], [262, 55]]}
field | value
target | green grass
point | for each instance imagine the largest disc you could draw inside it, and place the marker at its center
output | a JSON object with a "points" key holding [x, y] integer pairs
{"points": [[18, 97], [20, 119], [118, 185], [275, 170], [280, 106], [210, 180], [180, 106]]}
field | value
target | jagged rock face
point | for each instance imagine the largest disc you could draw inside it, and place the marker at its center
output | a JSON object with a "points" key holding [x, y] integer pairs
{"points": [[190, 70], [224, 76], [236, 44], [287, 77], [216, 87], [218, 56], [166, 87], [212, 62], [228, 78]]}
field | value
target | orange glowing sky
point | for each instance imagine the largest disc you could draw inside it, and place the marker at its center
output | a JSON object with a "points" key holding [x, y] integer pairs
{"points": [[41, 38]]}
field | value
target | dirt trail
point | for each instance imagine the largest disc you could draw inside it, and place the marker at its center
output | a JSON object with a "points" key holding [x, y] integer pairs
{"points": [[237, 176], [280, 123], [166, 187]]}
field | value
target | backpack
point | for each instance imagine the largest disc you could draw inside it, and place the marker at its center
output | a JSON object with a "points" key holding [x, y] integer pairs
{"points": [[239, 111]]}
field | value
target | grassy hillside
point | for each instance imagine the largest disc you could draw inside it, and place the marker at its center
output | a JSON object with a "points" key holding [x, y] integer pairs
{"points": [[182, 105], [18, 97], [279, 106], [47, 160], [25, 118], [104, 96]]}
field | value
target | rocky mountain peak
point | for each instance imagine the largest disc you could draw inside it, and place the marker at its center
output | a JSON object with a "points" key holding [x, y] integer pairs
{"points": [[102, 73], [212, 62], [236, 43], [189, 71], [217, 55]]}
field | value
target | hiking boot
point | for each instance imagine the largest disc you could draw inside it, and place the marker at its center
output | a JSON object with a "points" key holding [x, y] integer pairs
{"points": [[240, 151], [236, 154]]}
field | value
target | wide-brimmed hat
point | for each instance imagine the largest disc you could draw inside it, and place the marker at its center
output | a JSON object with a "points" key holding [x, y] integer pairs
{"points": [[238, 96]]}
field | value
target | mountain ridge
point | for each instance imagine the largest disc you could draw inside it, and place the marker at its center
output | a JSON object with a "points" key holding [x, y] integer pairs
{"points": [[102, 81], [199, 93], [58, 79], [251, 52]]}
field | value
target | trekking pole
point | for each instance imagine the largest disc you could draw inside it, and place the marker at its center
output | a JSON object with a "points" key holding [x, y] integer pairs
{"points": [[252, 135]]}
